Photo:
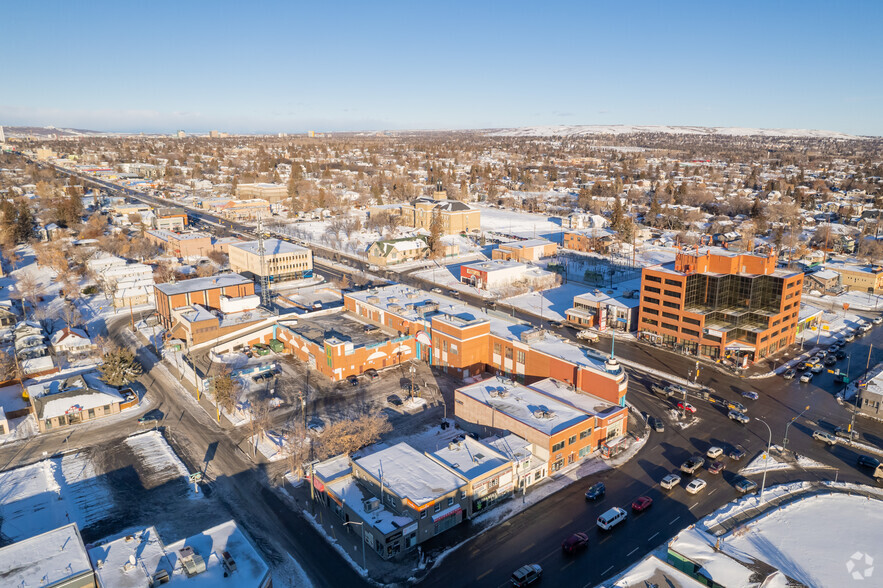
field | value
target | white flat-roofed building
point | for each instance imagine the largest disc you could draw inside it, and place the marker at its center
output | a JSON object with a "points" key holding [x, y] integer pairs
{"points": [[55, 559], [282, 260]]}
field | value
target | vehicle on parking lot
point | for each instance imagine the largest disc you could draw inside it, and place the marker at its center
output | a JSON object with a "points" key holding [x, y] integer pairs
{"points": [[824, 437], [865, 327], [866, 461], [611, 518], [574, 543], [750, 394], [830, 360], [596, 491], [714, 452], [736, 454], [846, 433], [642, 503], [587, 335], [850, 336], [744, 485], [372, 373], [353, 380], [696, 486], [739, 417], [670, 481], [656, 424], [526, 575], [840, 354], [317, 427], [716, 467], [687, 407], [789, 374], [877, 320], [394, 400], [410, 388], [817, 368], [806, 377], [691, 465]]}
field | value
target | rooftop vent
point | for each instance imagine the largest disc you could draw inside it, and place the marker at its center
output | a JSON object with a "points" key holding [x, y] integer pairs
{"points": [[543, 413], [372, 504]]}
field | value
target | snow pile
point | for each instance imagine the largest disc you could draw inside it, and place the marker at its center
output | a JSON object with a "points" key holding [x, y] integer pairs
{"points": [[157, 458]]}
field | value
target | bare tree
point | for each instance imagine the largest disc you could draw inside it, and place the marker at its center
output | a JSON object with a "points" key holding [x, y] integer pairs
{"points": [[225, 389], [350, 435], [29, 289], [259, 410], [297, 446]]}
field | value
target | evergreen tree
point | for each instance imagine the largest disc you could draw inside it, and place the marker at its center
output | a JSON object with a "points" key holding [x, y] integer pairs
{"points": [[119, 367], [617, 215], [23, 229]]}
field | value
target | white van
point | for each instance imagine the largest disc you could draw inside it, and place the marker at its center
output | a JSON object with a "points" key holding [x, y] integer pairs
{"points": [[611, 518]]}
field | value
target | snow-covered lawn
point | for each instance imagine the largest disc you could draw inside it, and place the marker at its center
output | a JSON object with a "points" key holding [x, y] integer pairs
{"points": [[522, 224], [550, 304], [856, 301], [757, 465]]}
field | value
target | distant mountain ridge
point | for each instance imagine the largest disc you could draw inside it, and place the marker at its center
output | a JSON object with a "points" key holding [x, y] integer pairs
{"points": [[583, 130]]}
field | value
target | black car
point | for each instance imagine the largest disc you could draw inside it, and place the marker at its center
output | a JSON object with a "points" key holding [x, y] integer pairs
{"points": [[596, 491], [830, 360], [840, 354], [372, 373], [394, 400], [867, 461], [353, 380]]}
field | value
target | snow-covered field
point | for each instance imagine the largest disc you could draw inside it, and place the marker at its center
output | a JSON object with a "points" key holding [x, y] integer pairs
{"points": [[523, 224], [550, 304], [855, 300]]}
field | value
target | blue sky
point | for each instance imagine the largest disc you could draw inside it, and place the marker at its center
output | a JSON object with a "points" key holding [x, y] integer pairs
{"points": [[294, 66]]}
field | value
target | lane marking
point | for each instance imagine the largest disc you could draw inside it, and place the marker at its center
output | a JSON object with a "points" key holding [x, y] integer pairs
{"points": [[632, 551], [604, 573], [675, 520], [528, 547], [654, 535], [694, 506], [712, 492], [485, 574]]}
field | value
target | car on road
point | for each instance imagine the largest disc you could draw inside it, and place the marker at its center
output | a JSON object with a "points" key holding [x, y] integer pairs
{"points": [[454, 293], [587, 335], [611, 518], [696, 486], [744, 485], [716, 467], [372, 373], [642, 503], [866, 461], [802, 366], [670, 481], [806, 377], [817, 368], [739, 417], [846, 433], [877, 320], [687, 407], [394, 400], [436, 290], [789, 374], [830, 360], [596, 491], [574, 543], [840, 354], [656, 424], [737, 406], [750, 394], [353, 380], [526, 575], [736, 454], [824, 437], [714, 452], [148, 419], [691, 465], [556, 325]]}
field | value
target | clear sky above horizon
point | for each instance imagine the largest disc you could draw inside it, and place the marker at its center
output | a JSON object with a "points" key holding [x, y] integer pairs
{"points": [[335, 66]]}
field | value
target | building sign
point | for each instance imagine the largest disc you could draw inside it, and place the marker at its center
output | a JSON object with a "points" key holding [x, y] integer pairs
{"points": [[602, 318], [74, 408], [714, 333]]}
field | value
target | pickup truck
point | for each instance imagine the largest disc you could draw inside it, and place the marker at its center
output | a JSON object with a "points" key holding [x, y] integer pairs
{"points": [[587, 335], [660, 390]]}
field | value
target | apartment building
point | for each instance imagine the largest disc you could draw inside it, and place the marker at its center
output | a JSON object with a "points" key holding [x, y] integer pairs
{"points": [[565, 424], [282, 261], [859, 278], [524, 251], [455, 217], [720, 305], [181, 244], [272, 193], [465, 341]]}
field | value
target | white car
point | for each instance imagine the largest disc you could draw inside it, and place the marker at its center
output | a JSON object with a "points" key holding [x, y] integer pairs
{"points": [[877, 320], [714, 452], [670, 481], [696, 486], [865, 327], [807, 377]]}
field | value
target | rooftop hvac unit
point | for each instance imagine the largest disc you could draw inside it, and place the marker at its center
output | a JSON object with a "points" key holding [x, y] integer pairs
{"points": [[228, 561], [161, 577], [372, 504], [193, 565]]}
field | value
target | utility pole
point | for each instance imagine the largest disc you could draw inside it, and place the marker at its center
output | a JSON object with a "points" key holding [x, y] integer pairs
{"points": [[871, 348], [766, 458]]}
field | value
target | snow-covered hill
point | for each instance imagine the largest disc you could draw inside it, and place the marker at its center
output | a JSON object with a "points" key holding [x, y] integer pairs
{"points": [[580, 130]]}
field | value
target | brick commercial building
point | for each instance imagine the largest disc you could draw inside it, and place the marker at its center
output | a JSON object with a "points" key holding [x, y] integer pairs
{"points": [[250, 209], [464, 341], [588, 240], [181, 244], [339, 345], [204, 309], [496, 274], [170, 219], [721, 305], [282, 260], [859, 278], [530, 250], [456, 217], [563, 424], [272, 193]]}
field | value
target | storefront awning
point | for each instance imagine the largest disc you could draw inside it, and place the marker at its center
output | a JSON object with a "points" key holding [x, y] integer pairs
{"points": [[376, 355], [403, 349], [448, 512], [739, 347], [423, 338]]}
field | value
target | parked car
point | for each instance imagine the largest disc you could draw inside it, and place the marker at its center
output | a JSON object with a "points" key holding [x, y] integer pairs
{"points": [[867, 461], [739, 417], [865, 327], [736, 454], [372, 373], [750, 394], [353, 380], [642, 503], [696, 486], [691, 465], [656, 424], [789, 374], [877, 320], [556, 325], [806, 377], [394, 400], [714, 452], [744, 485], [316, 427], [830, 360], [596, 491], [716, 467], [670, 481], [846, 433], [824, 437], [587, 335], [817, 368], [574, 543], [526, 575], [436, 290], [850, 336], [611, 518], [687, 407]]}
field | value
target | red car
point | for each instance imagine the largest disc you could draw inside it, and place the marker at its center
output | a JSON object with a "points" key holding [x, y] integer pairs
{"points": [[576, 542], [686, 406], [717, 467], [642, 503]]}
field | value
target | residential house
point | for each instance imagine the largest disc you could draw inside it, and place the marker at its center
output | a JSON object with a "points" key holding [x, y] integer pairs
{"points": [[73, 399], [71, 343]]}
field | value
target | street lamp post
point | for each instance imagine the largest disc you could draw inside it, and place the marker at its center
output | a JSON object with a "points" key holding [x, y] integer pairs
{"points": [[766, 458], [785, 440], [364, 566]]}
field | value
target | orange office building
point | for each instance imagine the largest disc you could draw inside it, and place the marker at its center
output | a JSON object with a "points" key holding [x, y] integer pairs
{"points": [[720, 305]]}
